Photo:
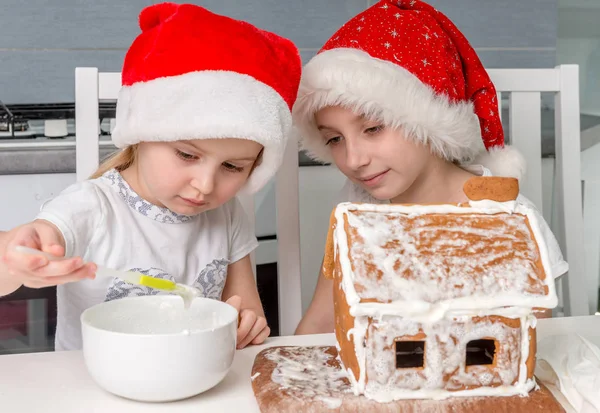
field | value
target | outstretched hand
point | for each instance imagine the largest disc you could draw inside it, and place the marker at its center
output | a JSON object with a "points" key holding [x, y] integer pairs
{"points": [[37, 271]]}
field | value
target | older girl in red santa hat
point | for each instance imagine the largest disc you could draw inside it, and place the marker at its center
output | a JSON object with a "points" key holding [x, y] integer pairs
{"points": [[399, 101], [204, 112]]}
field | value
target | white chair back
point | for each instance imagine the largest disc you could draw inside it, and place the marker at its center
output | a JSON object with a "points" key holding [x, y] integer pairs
{"points": [[524, 87], [92, 86]]}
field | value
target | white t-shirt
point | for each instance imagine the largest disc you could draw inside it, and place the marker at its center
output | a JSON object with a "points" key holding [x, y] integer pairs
{"points": [[353, 193], [104, 221]]}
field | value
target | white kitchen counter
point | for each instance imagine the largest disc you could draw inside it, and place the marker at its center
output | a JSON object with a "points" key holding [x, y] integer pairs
{"points": [[59, 382]]}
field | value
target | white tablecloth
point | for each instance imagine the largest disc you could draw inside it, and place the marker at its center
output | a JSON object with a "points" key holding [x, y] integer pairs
{"points": [[58, 382]]}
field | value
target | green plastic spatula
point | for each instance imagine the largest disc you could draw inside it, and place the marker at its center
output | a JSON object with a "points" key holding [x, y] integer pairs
{"points": [[188, 293]]}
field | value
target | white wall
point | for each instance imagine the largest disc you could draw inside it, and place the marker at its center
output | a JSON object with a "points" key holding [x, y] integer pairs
{"points": [[578, 42]]}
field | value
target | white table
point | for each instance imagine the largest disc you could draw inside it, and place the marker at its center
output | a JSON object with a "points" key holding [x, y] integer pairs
{"points": [[58, 382]]}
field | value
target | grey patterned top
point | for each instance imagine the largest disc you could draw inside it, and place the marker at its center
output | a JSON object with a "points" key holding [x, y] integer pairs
{"points": [[160, 214]]}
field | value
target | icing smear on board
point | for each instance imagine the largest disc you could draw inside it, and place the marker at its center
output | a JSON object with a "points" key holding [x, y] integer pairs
{"points": [[308, 372]]}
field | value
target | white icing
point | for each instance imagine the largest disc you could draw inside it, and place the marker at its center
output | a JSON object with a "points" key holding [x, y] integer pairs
{"points": [[309, 373], [525, 338], [254, 376], [544, 255], [437, 394], [429, 313], [533, 322], [509, 207], [416, 262], [348, 334], [171, 318], [330, 402], [396, 293], [187, 293], [445, 351], [360, 331], [430, 303]]}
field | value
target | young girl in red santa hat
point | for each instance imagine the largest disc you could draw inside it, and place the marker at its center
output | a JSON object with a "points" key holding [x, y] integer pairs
{"points": [[204, 112], [399, 101]]}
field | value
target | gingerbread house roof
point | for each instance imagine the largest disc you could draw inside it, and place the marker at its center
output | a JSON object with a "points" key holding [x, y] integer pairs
{"points": [[416, 259]]}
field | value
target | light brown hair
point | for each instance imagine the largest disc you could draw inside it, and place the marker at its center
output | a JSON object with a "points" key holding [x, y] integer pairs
{"points": [[120, 161]]}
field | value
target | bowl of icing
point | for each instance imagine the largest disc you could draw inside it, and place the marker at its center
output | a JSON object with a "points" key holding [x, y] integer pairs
{"points": [[152, 349]]}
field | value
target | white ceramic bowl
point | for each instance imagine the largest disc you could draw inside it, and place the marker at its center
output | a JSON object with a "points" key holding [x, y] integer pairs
{"points": [[151, 349]]}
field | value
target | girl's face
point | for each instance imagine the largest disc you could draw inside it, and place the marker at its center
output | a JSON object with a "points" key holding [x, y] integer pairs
{"points": [[190, 177], [379, 159]]}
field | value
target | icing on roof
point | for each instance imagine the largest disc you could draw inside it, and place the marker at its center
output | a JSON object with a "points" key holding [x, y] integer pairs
{"points": [[413, 258]]}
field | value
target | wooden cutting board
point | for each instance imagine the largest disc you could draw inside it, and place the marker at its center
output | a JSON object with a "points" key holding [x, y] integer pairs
{"points": [[309, 379]]}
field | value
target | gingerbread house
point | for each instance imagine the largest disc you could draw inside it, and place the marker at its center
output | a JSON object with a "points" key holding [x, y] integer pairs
{"points": [[436, 301]]}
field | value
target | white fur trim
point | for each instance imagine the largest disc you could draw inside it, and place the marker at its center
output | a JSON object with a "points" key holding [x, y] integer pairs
{"points": [[385, 91], [506, 161], [205, 105]]}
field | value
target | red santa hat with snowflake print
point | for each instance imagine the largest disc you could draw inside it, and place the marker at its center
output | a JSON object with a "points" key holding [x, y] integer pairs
{"points": [[407, 65], [193, 74]]}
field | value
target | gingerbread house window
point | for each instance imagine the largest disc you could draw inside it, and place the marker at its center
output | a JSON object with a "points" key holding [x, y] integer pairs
{"points": [[481, 352], [410, 354]]}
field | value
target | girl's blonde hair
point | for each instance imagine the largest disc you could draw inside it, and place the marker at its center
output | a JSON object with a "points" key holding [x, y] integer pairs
{"points": [[120, 161]]}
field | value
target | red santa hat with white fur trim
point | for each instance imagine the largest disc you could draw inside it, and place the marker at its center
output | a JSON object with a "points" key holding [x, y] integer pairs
{"points": [[406, 64], [193, 74]]}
